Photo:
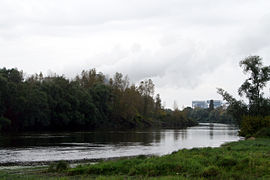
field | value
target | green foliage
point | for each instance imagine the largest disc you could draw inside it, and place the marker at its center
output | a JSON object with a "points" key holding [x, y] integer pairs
{"points": [[251, 124], [255, 115], [4, 123], [227, 162], [200, 115], [58, 167], [218, 115], [236, 108], [237, 160], [89, 101], [264, 132], [211, 171], [246, 159], [259, 76], [176, 118]]}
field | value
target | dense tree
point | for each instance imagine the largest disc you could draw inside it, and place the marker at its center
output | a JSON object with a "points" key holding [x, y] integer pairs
{"points": [[236, 108], [89, 101], [147, 89], [210, 115], [157, 104], [89, 78]]}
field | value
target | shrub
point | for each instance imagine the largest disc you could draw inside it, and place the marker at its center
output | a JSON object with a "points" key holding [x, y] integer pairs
{"points": [[58, 167], [210, 171], [4, 123], [62, 165], [251, 124], [51, 168], [227, 162], [142, 156], [264, 132]]}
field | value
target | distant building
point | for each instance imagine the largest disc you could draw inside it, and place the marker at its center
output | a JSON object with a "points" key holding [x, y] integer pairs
{"points": [[200, 104], [205, 104], [217, 103]]}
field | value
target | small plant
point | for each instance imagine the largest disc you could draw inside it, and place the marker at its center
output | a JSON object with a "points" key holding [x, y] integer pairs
{"points": [[52, 168], [210, 171], [227, 162], [58, 167]]}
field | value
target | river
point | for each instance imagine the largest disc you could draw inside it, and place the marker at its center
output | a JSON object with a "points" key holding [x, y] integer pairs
{"points": [[79, 146]]}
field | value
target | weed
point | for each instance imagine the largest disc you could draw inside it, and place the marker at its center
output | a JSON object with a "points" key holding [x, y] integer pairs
{"points": [[210, 171], [58, 167]]}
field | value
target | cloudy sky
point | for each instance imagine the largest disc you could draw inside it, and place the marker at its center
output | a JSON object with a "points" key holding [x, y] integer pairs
{"points": [[188, 47]]}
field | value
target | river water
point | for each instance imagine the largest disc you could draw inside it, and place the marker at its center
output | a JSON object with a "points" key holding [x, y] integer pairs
{"points": [[45, 147]]}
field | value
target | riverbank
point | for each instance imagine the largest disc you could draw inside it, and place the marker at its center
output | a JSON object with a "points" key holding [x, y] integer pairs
{"points": [[246, 159]]}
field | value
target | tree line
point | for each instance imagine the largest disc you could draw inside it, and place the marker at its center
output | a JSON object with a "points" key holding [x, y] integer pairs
{"points": [[210, 115], [88, 101]]}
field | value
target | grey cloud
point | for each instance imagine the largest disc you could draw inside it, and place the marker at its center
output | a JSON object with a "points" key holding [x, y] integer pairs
{"points": [[177, 43], [55, 15], [177, 63], [80, 12], [254, 37]]}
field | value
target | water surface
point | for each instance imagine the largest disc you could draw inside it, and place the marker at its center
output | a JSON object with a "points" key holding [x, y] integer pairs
{"points": [[46, 147]]}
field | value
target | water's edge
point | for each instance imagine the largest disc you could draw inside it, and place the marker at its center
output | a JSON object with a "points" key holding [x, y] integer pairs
{"points": [[44, 149]]}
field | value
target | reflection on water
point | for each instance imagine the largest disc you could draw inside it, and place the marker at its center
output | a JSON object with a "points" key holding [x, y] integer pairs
{"points": [[101, 144], [211, 131]]}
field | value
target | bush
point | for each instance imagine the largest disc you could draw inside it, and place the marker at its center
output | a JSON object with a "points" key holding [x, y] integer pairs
{"points": [[227, 162], [58, 167], [264, 132], [4, 123], [210, 171], [251, 124]]}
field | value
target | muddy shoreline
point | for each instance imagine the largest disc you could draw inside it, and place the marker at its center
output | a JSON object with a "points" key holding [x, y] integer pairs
{"points": [[78, 161]]}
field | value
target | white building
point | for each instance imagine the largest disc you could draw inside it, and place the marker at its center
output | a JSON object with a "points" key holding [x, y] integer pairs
{"points": [[205, 104]]}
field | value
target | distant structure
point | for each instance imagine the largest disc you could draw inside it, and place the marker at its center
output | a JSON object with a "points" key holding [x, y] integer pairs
{"points": [[217, 103], [205, 104], [200, 104]]}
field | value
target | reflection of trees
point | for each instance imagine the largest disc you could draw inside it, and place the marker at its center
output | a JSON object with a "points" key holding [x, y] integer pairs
{"points": [[211, 131], [156, 137], [117, 137], [184, 134], [175, 134], [96, 137]]}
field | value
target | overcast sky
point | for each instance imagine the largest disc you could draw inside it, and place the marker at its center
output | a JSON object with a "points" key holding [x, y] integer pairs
{"points": [[187, 47]]}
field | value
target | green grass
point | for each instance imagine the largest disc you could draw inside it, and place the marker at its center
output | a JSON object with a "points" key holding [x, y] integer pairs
{"points": [[249, 159]]}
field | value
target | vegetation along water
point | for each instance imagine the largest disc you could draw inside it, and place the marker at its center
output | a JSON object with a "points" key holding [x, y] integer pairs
{"points": [[93, 101]]}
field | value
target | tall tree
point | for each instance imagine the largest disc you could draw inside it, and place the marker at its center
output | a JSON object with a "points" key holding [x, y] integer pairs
{"points": [[252, 88], [157, 104], [89, 78], [236, 107], [147, 89]]}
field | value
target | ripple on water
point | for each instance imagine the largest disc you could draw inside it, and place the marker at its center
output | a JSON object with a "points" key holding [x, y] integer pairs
{"points": [[96, 144]]}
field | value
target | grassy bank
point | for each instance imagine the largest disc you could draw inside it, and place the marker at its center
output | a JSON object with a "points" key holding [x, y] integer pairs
{"points": [[249, 159]]}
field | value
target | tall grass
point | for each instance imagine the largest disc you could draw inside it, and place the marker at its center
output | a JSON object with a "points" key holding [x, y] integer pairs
{"points": [[239, 160]]}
